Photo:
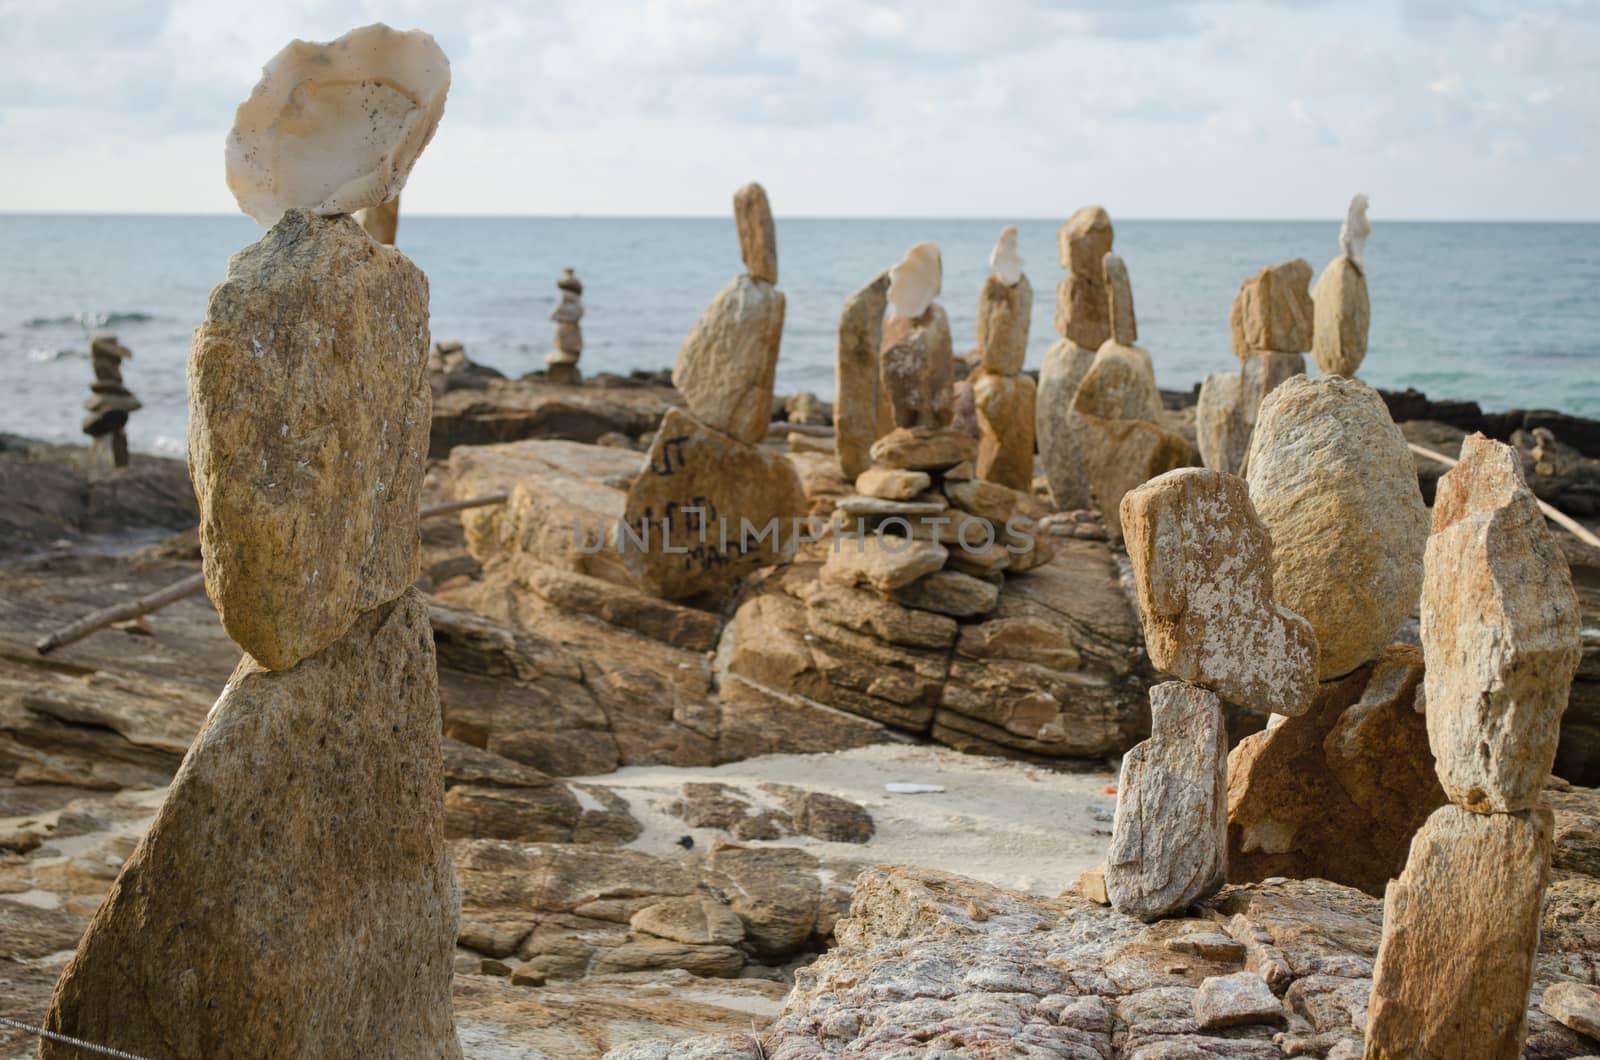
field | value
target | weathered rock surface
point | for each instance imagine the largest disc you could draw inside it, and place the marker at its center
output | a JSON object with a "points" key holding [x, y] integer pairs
{"points": [[308, 424], [1121, 455], [1202, 568], [496, 411], [1222, 435], [735, 485], [345, 750], [856, 398], [923, 449], [1576, 1005], [382, 222], [1331, 477], [1004, 313], [1169, 841], [892, 483], [1005, 405], [1501, 629], [1339, 791], [758, 236], [1236, 1000], [726, 366], [1460, 934], [1065, 365], [950, 592], [1342, 316], [1273, 311], [915, 369], [882, 562]]}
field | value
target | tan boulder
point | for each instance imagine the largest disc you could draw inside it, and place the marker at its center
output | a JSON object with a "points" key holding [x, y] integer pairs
{"points": [[1083, 310], [880, 561], [1273, 311], [1501, 629], [308, 430], [758, 236], [1119, 292], [1460, 928], [1337, 792], [1342, 316], [1221, 433], [1005, 406], [856, 398], [893, 484], [1331, 477], [1202, 573], [994, 501], [1169, 838], [1084, 240], [743, 494], [916, 369], [1065, 365], [1004, 313], [1121, 455], [1575, 1005], [726, 366], [294, 895], [1120, 385], [923, 449]]}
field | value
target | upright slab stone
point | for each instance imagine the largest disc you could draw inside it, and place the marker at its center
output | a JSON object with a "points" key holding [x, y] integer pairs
{"points": [[308, 434], [1341, 318], [758, 235], [727, 365], [1273, 311], [1119, 293], [1005, 405], [1221, 433], [1460, 931], [916, 369], [1004, 312], [856, 398], [1331, 477], [1065, 365], [687, 512], [1501, 629], [1169, 837], [294, 895], [1202, 573]]}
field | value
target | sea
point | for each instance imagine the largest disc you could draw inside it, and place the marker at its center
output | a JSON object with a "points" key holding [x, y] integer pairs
{"points": [[1504, 314]]}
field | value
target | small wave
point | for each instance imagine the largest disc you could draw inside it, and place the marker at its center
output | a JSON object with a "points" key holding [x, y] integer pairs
{"points": [[89, 320], [44, 356]]}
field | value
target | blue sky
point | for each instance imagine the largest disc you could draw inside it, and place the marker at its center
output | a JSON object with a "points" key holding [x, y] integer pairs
{"points": [[1017, 108]]}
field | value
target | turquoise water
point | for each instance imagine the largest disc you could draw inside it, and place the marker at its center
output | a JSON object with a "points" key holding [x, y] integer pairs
{"points": [[1503, 314]]}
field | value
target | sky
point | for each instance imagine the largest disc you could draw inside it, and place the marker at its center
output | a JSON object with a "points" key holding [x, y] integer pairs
{"points": [[1437, 109]]}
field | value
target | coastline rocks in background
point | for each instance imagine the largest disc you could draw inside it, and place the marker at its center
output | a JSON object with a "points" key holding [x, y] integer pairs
{"points": [[856, 398], [1004, 312], [1501, 629], [1273, 311], [382, 222], [1460, 932], [1221, 433], [309, 517], [1119, 292], [916, 368], [335, 128], [726, 366], [1202, 571], [351, 817], [758, 235], [1169, 838], [1005, 405], [691, 466], [1342, 317], [1065, 365], [1332, 479]]}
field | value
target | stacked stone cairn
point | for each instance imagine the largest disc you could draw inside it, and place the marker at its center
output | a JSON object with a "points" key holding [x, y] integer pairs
{"points": [[1202, 569], [561, 363], [294, 895], [382, 221], [110, 402], [921, 528], [1083, 321], [1003, 397], [707, 477], [1342, 312], [1501, 636]]}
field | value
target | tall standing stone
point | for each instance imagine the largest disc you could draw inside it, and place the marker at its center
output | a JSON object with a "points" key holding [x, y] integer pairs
{"points": [[1003, 397], [1342, 310], [856, 398], [916, 365], [1065, 364], [1221, 433], [1083, 305], [1119, 292], [758, 234]]}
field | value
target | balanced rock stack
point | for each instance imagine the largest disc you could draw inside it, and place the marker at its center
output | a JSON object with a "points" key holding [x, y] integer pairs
{"points": [[561, 363], [1501, 635], [110, 402], [1202, 569], [1083, 320], [294, 895], [1342, 311], [1271, 321], [1003, 397], [702, 509], [382, 222]]}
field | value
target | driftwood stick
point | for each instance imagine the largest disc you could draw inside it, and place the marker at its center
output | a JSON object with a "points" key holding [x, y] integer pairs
{"points": [[1555, 515], [196, 583]]}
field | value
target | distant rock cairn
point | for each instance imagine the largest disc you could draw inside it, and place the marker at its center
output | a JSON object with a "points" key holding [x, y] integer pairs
{"points": [[561, 363], [110, 401]]}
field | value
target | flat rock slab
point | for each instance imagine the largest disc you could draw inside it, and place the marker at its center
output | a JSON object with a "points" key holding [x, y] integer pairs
{"points": [[1575, 1005], [308, 432], [881, 562], [1236, 1000], [949, 592], [892, 484], [923, 449]]}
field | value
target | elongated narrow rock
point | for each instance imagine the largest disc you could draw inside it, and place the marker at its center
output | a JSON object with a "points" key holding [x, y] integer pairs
{"points": [[856, 400], [1119, 292], [1060, 448]]}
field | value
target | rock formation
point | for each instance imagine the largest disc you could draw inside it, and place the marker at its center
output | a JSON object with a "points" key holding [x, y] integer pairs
{"points": [[1002, 395], [856, 400], [335, 128], [1082, 319], [1501, 637], [711, 505], [1332, 479], [110, 401], [561, 363], [382, 221], [1342, 312], [294, 895]]}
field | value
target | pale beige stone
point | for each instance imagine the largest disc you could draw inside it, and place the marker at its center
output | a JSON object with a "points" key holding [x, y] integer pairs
{"points": [[1169, 837], [1501, 630], [1004, 313], [1119, 291], [1065, 365], [1331, 477], [1342, 316], [758, 236], [892, 484], [882, 562], [924, 449], [1356, 228], [382, 222], [1575, 1005], [1202, 574], [1221, 432], [1005, 261], [334, 128], [732, 484], [726, 366], [1083, 241], [294, 895], [1005, 406], [915, 280], [308, 431], [1273, 311], [916, 369], [856, 398], [1460, 928]]}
